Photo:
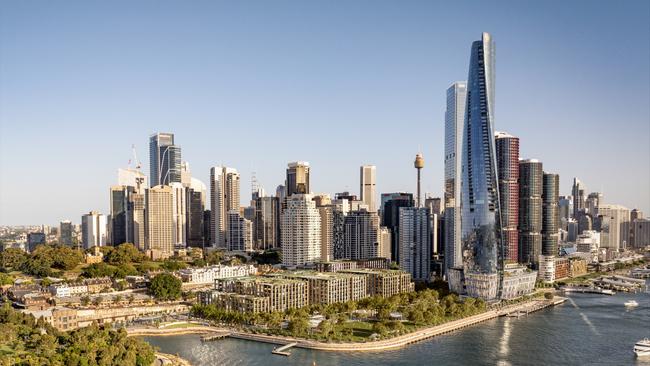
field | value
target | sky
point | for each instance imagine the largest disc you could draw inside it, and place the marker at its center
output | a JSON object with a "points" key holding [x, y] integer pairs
{"points": [[257, 84]]}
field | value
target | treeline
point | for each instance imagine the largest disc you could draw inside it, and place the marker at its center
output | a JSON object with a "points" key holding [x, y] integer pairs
{"points": [[25, 340], [46, 260]]}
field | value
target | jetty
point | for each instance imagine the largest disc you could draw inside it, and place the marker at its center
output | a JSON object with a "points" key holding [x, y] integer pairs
{"points": [[282, 351], [525, 309], [215, 336], [587, 290]]}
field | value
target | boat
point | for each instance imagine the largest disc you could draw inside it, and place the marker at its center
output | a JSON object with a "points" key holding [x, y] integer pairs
{"points": [[642, 348], [631, 304]]}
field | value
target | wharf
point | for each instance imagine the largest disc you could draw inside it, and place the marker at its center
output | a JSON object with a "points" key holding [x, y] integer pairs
{"points": [[282, 350], [215, 336], [587, 290]]}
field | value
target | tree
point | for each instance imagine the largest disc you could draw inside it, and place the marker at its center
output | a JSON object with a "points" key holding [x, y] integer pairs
{"points": [[199, 262], [98, 270], [6, 279], [172, 265], [548, 296], [85, 300], [117, 299], [12, 258], [97, 301], [123, 254], [214, 257], [165, 287], [298, 325], [380, 328]]}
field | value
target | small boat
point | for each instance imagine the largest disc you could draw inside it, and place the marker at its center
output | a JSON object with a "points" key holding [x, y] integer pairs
{"points": [[631, 304], [642, 348]]}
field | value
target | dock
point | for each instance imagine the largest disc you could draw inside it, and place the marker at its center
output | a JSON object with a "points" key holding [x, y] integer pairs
{"points": [[282, 350], [215, 336], [587, 290], [518, 311]]}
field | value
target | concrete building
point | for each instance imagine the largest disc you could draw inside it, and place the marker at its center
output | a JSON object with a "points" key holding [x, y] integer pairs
{"points": [[361, 228], [613, 221], [589, 242], [297, 178], [282, 293], [530, 211], [415, 242], [579, 199], [454, 124], [594, 199], [127, 213], [159, 222], [565, 206], [384, 243], [518, 281], [391, 204], [179, 215], [546, 271], [507, 154], [224, 197], [300, 231], [240, 233], [328, 288], [66, 290], [641, 230], [266, 223], [368, 186], [385, 282], [93, 230], [209, 274], [65, 233], [164, 159]]}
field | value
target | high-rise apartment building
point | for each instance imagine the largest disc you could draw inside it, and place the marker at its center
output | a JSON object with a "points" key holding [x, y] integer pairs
{"points": [[550, 214], [66, 232], [179, 214], [454, 123], [361, 229], [127, 209], [266, 224], [391, 203], [164, 159], [195, 197], [300, 231], [530, 211], [579, 199], [159, 221], [240, 232], [613, 221], [594, 199], [565, 207], [224, 197], [368, 182], [507, 150], [415, 242], [480, 225], [297, 178], [93, 230], [384, 243]]}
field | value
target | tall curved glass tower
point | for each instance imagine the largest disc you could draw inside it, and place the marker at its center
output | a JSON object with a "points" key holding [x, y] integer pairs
{"points": [[480, 224]]}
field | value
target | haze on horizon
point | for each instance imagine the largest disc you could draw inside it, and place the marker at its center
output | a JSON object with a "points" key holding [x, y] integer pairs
{"points": [[256, 85]]}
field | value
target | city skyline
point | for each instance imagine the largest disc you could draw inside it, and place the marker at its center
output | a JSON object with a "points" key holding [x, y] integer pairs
{"points": [[416, 104]]}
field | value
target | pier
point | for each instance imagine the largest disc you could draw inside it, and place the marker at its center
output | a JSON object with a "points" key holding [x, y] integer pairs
{"points": [[588, 290], [215, 336], [282, 350], [521, 310]]}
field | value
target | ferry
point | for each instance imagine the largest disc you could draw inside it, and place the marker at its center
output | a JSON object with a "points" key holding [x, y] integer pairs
{"points": [[642, 348], [631, 304]]}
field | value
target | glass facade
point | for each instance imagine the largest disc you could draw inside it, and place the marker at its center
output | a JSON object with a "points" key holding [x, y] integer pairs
{"points": [[530, 211], [480, 225]]}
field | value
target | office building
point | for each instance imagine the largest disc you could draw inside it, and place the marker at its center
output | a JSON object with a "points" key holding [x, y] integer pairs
{"points": [[368, 183], [507, 152], [93, 230], [66, 232], [179, 212], [224, 197], [565, 208], [579, 199], [594, 199], [415, 242], [159, 222], [550, 214], [613, 221], [530, 211], [34, 240], [195, 197], [164, 159], [391, 203], [297, 178], [361, 229], [384, 243], [480, 227], [454, 123], [240, 232], [641, 233], [300, 231], [266, 223]]}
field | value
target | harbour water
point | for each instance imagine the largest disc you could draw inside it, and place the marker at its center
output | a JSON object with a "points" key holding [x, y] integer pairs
{"points": [[586, 330]]}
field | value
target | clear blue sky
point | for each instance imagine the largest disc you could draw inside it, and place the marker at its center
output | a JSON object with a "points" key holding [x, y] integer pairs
{"points": [[256, 84]]}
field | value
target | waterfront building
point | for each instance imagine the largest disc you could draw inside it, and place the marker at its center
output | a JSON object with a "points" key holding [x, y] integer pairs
{"points": [[266, 223], [385, 282], [235, 302], [550, 213], [480, 226], [159, 222], [283, 293], [546, 271], [415, 233], [240, 232], [391, 204], [518, 281], [297, 178], [530, 211], [34, 240], [325, 288], [61, 318], [224, 197], [579, 199], [507, 155], [613, 220], [340, 265], [164, 159], [454, 123], [65, 232], [589, 242], [561, 268], [209, 274], [93, 230], [368, 183], [361, 229], [577, 267], [300, 231]]}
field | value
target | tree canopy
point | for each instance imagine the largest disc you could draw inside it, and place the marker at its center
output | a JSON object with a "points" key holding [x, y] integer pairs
{"points": [[165, 287]]}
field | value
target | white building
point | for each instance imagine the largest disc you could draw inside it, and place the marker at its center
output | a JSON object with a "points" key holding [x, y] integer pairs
{"points": [[65, 290], [368, 182], [93, 230], [517, 281], [589, 242], [209, 274], [547, 268], [300, 231], [224, 197], [132, 178], [179, 212], [415, 242], [240, 232], [613, 218], [159, 222]]}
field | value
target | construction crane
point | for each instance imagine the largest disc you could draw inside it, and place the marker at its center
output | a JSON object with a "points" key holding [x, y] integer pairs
{"points": [[135, 160]]}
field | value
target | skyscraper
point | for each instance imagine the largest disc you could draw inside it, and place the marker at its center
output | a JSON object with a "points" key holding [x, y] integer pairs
{"points": [[550, 214], [480, 226], [368, 182], [179, 212], [164, 159], [127, 208], [297, 178], [195, 195], [300, 231], [614, 219], [391, 203], [530, 211], [224, 197], [415, 242], [454, 123], [594, 199], [159, 222], [507, 149], [565, 206], [418, 164], [93, 230], [65, 232], [239, 232], [578, 192], [361, 228], [266, 223]]}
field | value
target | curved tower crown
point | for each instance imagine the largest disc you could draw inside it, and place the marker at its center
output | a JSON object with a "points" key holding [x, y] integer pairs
{"points": [[480, 224]]}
